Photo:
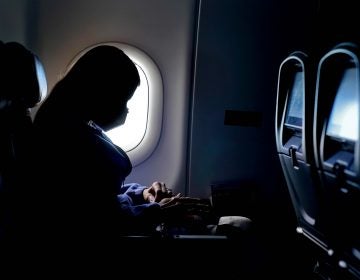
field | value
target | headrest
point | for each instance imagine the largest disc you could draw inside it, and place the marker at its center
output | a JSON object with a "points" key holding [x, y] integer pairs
{"points": [[22, 77]]}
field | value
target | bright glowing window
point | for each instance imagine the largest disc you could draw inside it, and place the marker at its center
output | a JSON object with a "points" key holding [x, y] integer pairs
{"points": [[131, 133], [139, 135]]}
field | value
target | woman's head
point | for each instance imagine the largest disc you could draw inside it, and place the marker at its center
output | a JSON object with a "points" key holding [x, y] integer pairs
{"points": [[99, 85]]}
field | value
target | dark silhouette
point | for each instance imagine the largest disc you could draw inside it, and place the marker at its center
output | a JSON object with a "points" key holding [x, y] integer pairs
{"points": [[82, 171], [23, 84], [82, 196]]}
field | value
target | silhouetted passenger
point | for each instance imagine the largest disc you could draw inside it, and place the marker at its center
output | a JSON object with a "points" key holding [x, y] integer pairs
{"points": [[83, 172]]}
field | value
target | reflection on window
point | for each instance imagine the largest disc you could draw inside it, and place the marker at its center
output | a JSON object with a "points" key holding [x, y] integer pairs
{"points": [[131, 133], [343, 121]]}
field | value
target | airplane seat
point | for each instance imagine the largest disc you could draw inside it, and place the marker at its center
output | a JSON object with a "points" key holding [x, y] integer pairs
{"points": [[337, 148], [23, 86], [294, 141]]}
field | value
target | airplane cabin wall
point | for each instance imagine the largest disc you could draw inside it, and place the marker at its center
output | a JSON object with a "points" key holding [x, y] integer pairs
{"points": [[12, 20], [337, 23], [241, 45]]}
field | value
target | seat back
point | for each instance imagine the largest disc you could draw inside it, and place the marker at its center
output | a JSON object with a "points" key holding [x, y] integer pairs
{"points": [[22, 86], [294, 125], [337, 148]]}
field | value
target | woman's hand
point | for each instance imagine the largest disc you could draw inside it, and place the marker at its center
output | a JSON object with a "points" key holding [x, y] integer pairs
{"points": [[185, 209], [169, 201], [184, 201], [156, 192]]}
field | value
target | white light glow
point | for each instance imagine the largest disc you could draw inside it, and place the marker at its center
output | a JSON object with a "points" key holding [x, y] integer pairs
{"points": [[130, 134]]}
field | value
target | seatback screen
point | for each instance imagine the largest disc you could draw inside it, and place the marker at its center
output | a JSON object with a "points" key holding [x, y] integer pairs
{"points": [[344, 117], [294, 111]]}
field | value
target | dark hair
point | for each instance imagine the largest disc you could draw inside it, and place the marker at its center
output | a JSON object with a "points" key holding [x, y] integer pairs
{"points": [[100, 65], [99, 83]]}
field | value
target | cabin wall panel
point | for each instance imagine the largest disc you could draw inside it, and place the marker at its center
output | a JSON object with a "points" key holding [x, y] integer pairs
{"points": [[12, 20], [241, 45]]}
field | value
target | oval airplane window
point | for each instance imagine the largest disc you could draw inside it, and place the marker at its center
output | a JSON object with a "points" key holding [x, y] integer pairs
{"points": [[140, 133]]}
